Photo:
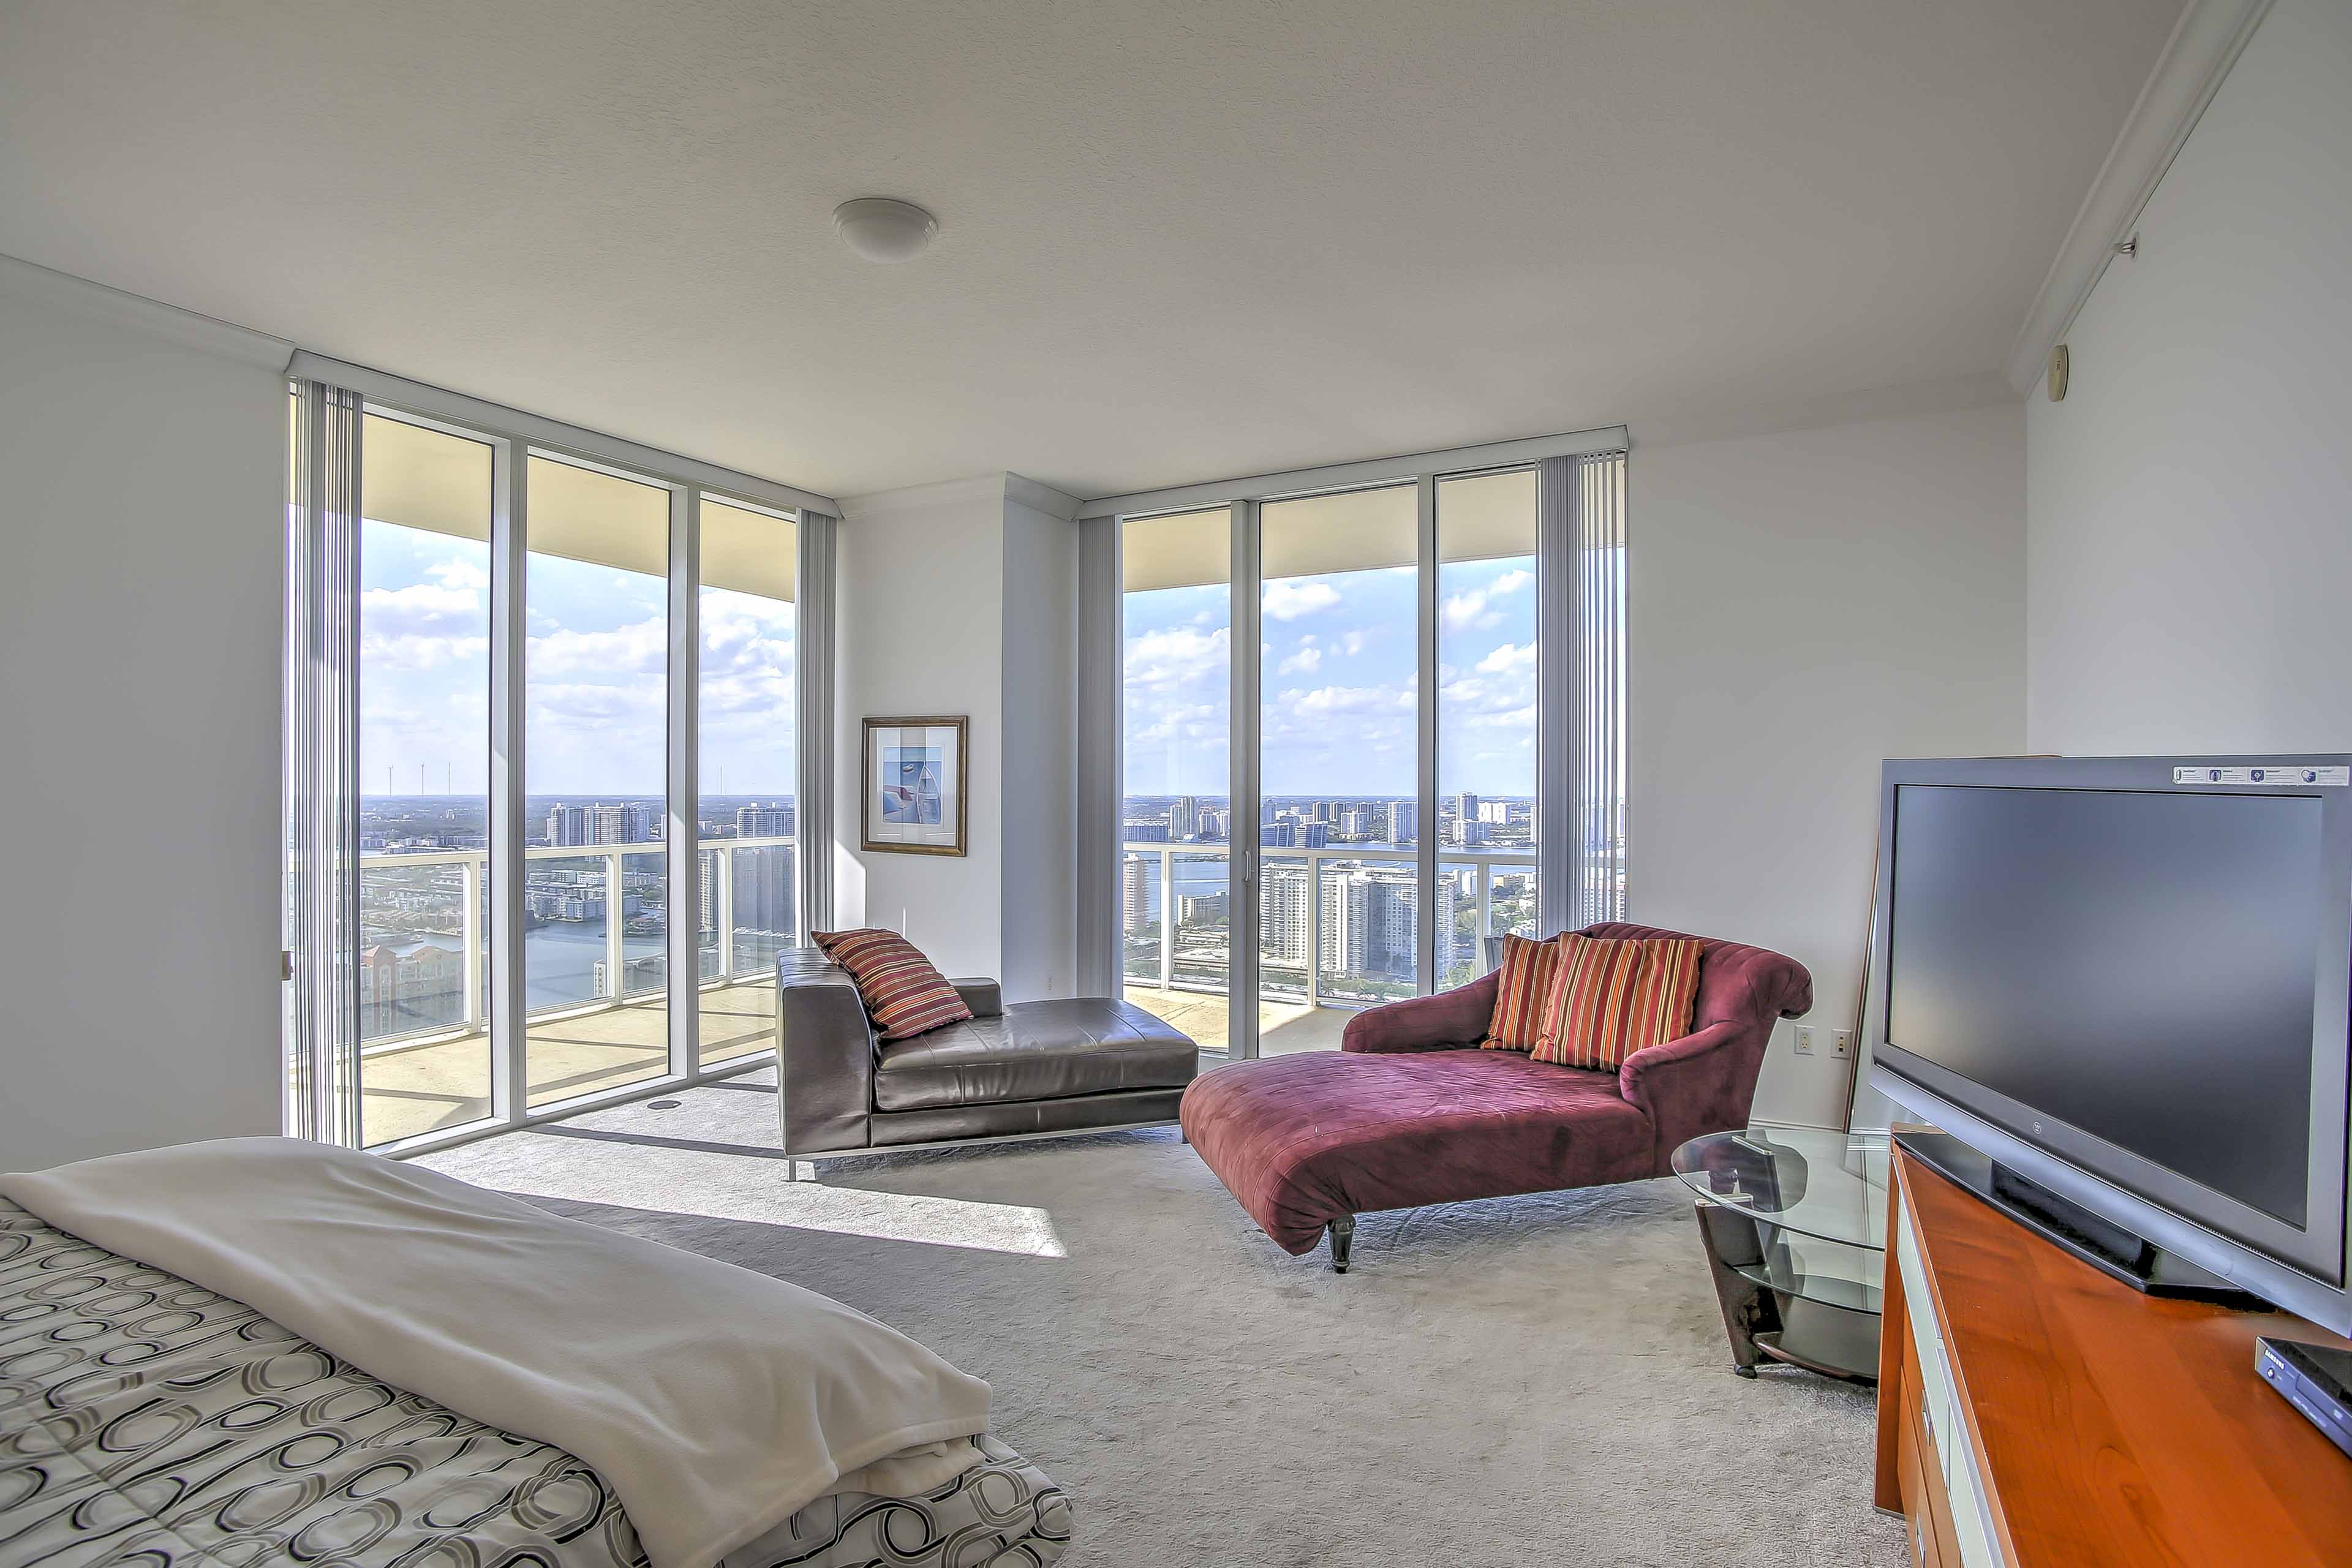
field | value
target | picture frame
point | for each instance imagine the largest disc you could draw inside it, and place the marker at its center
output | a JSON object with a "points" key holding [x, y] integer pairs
{"points": [[916, 785]]}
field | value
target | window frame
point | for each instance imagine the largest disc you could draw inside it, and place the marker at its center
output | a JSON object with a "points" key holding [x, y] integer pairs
{"points": [[514, 438]]}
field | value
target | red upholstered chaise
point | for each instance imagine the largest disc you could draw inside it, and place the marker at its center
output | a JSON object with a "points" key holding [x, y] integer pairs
{"points": [[1410, 1112]]}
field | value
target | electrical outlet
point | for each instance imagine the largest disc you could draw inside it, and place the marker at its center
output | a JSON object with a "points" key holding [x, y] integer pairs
{"points": [[1842, 1044], [1803, 1034]]}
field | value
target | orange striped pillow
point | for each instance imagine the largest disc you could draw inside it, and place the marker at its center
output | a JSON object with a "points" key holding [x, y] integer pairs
{"points": [[1527, 979], [1613, 995], [895, 981]]}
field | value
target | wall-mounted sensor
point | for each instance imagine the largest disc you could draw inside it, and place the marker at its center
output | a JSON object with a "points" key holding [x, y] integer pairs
{"points": [[2060, 364]]}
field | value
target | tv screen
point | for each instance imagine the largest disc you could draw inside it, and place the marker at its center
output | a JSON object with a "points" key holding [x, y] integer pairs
{"points": [[2137, 963]]}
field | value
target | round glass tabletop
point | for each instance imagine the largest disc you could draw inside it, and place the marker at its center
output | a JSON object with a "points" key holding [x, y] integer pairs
{"points": [[1806, 1181]]}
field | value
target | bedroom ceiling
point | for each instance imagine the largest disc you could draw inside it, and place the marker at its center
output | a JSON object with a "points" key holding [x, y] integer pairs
{"points": [[1176, 242]]}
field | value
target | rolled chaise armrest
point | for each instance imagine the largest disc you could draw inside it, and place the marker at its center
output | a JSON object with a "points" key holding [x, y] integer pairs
{"points": [[1447, 1021], [984, 997], [1690, 1085], [824, 1055], [1706, 1081]]}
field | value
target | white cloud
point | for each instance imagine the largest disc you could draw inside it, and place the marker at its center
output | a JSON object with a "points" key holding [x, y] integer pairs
{"points": [[1472, 609], [640, 648], [1305, 660], [1288, 600], [1511, 658], [1180, 656]]}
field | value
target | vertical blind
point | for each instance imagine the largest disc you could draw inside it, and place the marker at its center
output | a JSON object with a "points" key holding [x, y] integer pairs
{"points": [[1580, 581], [321, 750]]}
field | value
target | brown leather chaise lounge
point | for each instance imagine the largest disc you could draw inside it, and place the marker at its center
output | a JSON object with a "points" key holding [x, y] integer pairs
{"points": [[1410, 1112], [1074, 1065]]}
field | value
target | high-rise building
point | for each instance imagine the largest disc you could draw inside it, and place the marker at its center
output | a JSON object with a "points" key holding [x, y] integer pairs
{"points": [[764, 898], [1279, 836], [629, 822], [764, 821], [1144, 832], [1404, 818], [1494, 811], [1184, 817], [1135, 910], [569, 824], [1314, 835], [1287, 935]]}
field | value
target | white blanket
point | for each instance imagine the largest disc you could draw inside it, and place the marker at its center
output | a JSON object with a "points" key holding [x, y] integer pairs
{"points": [[717, 1402]]}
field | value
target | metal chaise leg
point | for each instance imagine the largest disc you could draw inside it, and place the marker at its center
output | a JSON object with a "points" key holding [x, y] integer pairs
{"points": [[1343, 1233]]}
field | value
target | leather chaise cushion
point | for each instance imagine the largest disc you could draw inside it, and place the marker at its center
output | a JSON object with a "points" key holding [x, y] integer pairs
{"points": [[1034, 1050]]}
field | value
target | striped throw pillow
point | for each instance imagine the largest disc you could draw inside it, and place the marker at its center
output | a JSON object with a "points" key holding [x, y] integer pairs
{"points": [[1613, 995], [905, 995], [1525, 982]]}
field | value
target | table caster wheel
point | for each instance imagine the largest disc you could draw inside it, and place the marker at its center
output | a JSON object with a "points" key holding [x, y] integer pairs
{"points": [[1745, 1372]]}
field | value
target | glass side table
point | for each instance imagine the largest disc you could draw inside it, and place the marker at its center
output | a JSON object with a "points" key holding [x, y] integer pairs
{"points": [[1794, 1221]]}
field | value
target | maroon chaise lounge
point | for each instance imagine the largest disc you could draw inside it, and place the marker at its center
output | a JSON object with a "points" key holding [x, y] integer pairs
{"points": [[1410, 1112]]}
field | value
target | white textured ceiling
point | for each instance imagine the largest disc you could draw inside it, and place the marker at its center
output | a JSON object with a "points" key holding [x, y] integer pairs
{"points": [[1177, 242]]}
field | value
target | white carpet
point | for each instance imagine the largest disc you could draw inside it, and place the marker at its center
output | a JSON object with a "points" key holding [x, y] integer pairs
{"points": [[1539, 1380]]}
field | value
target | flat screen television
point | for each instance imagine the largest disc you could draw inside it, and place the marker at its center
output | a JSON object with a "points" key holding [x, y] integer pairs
{"points": [[2129, 981]]}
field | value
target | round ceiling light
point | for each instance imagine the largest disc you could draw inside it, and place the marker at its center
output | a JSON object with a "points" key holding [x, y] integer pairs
{"points": [[881, 228]]}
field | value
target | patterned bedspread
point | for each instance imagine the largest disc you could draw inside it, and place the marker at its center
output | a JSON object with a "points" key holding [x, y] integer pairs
{"points": [[146, 1421]]}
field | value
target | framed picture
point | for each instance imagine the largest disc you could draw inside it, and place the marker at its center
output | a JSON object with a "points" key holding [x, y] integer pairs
{"points": [[916, 774]]}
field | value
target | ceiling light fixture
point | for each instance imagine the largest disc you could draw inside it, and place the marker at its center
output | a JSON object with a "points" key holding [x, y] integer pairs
{"points": [[882, 228]]}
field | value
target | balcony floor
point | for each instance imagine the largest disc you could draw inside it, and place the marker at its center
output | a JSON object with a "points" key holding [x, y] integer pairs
{"points": [[1282, 1027], [405, 1090]]}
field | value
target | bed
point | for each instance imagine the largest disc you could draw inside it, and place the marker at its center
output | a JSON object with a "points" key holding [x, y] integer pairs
{"points": [[148, 1419]]}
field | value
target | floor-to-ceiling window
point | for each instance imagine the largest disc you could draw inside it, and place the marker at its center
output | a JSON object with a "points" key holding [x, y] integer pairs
{"points": [[1175, 888], [1379, 810], [424, 770], [1486, 715], [747, 817], [595, 752], [533, 688], [1339, 755]]}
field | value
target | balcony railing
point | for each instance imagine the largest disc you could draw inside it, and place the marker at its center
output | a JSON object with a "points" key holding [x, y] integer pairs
{"points": [[1489, 892], [437, 899]]}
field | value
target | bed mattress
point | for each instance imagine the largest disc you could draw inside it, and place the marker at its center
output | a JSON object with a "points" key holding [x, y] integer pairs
{"points": [[144, 1419]]}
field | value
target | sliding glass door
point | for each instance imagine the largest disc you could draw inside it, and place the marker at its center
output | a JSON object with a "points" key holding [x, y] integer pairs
{"points": [[1487, 710], [748, 856], [1339, 759], [1375, 809], [1177, 825], [424, 755], [595, 752], [606, 914]]}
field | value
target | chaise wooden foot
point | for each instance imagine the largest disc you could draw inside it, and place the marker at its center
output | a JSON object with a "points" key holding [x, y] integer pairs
{"points": [[1343, 1233]]}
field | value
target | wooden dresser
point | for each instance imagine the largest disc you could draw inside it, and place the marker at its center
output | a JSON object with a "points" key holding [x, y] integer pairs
{"points": [[2035, 1413]]}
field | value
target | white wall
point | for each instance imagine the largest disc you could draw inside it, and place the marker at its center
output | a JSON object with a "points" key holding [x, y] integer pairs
{"points": [[963, 598], [1040, 697], [919, 599], [1803, 605], [2190, 501], [143, 510]]}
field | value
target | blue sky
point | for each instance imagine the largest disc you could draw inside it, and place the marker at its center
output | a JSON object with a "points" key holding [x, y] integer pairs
{"points": [[1338, 655], [596, 720], [1340, 685]]}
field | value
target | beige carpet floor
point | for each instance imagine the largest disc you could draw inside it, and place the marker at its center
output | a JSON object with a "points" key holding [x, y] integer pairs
{"points": [[1527, 1381]]}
